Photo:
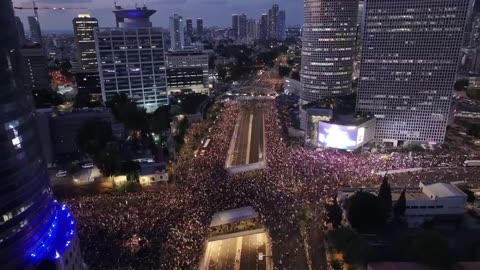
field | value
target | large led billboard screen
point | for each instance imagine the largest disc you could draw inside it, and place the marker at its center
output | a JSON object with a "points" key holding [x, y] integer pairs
{"points": [[340, 137]]}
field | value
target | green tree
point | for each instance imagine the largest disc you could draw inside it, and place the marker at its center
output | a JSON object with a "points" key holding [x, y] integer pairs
{"points": [[358, 251], [400, 206], [336, 264], [160, 121], [284, 71], [334, 214], [338, 239], [354, 247], [296, 75], [365, 212], [385, 197], [461, 85], [131, 170], [93, 136], [427, 247], [469, 192], [82, 99], [108, 160], [45, 98]]}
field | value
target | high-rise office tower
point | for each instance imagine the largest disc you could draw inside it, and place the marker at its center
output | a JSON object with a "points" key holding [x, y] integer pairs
{"points": [[263, 27], [35, 230], [86, 75], [20, 31], [282, 17], [242, 26], [474, 39], [189, 24], [84, 36], [328, 48], [131, 59], [36, 68], [251, 30], [35, 32], [410, 56], [273, 22], [235, 25], [200, 27], [177, 36]]}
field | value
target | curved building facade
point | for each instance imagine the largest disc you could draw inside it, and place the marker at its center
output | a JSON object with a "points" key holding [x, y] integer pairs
{"points": [[328, 47], [34, 228]]}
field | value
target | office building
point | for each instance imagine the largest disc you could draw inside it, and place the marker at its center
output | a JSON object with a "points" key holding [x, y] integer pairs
{"points": [[177, 35], [263, 27], [88, 81], [410, 56], [430, 201], [474, 40], [83, 31], [187, 69], [251, 31], [235, 25], [36, 69], [35, 32], [58, 130], [35, 229], [20, 31], [293, 32], [273, 22], [131, 59], [328, 48], [242, 26], [189, 27], [282, 17], [200, 27]]}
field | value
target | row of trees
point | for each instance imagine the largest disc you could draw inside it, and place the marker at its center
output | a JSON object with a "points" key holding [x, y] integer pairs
{"points": [[369, 213]]}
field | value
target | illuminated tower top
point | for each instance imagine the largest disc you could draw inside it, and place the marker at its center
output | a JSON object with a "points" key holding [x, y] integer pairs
{"points": [[133, 18]]}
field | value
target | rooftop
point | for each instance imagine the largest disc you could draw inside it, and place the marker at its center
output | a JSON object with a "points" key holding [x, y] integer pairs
{"points": [[444, 190], [233, 215]]}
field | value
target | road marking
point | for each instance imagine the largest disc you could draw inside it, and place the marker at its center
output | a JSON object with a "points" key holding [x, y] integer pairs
{"points": [[249, 139]]}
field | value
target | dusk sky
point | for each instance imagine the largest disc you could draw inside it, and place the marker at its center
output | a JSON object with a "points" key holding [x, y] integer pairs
{"points": [[214, 12]]}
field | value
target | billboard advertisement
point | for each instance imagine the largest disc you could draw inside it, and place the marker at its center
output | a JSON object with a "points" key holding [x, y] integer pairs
{"points": [[340, 137]]}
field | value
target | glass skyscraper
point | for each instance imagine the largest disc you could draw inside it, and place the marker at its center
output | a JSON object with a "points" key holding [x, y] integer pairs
{"points": [[410, 55], [328, 40], [34, 228]]}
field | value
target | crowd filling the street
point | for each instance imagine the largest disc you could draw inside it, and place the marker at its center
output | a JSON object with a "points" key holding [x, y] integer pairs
{"points": [[166, 228]]}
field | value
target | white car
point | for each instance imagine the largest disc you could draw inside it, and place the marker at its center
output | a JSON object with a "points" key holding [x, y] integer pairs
{"points": [[87, 165], [61, 174]]}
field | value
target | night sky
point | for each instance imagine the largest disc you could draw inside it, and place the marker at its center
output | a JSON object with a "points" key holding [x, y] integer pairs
{"points": [[213, 12]]}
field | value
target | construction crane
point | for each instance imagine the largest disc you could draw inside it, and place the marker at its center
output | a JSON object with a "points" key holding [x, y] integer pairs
{"points": [[35, 8]]}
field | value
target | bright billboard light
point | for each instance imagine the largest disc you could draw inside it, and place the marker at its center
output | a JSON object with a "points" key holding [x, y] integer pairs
{"points": [[340, 137]]}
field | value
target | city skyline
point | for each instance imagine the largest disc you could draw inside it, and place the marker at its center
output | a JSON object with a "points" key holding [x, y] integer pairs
{"points": [[208, 10]]}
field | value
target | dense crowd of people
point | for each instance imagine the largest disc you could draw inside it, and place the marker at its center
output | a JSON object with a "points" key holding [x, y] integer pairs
{"points": [[166, 228]]}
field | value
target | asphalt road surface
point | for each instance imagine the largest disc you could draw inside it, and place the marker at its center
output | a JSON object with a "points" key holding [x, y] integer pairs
{"points": [[249, 142], [239, 253]]}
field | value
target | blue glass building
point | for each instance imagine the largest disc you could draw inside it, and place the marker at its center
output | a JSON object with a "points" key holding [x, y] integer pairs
{"points": [[34, 228]]}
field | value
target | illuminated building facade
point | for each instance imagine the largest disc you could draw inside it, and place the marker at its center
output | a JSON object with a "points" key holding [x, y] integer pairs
{"points": [[410, 56], [131, 59], [187, 69], [328, 40], [177, 33], [34, 228], [84, 36]]}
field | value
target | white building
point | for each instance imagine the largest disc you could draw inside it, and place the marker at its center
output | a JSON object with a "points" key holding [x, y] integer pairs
{"points": [[131, 59], [428, 202]]}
